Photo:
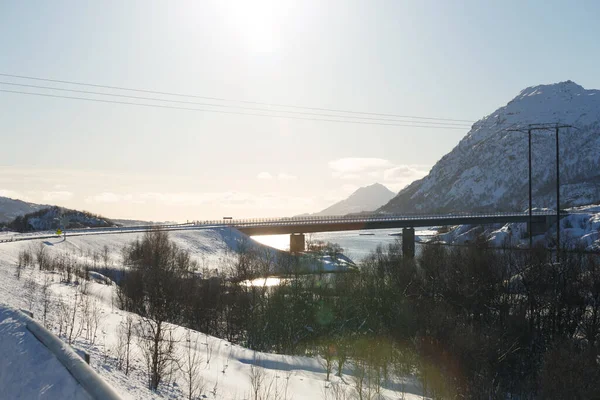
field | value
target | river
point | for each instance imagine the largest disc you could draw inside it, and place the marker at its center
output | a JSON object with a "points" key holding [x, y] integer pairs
{"points": [[356, 244]]}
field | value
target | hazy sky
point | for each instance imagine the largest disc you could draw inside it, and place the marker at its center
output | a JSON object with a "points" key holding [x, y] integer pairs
{"points": [[446, 59]]}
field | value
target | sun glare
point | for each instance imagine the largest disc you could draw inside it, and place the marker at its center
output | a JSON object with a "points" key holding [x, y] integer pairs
{"points": [[258, 24]]}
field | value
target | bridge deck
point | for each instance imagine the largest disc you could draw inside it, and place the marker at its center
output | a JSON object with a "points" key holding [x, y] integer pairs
{"points": [[349, 224]]}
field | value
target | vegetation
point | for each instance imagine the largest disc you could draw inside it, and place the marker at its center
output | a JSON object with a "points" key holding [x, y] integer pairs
{"points": [[57, 217], [469, 322]]}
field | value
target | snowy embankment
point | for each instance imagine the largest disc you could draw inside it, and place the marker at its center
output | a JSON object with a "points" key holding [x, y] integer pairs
{"points": [[28, 370], [578, 231], [225, 370]]}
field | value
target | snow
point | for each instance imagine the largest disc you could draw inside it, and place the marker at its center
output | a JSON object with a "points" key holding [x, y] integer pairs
{"points": [[487, 170], [28, 370], [579, 230], [367, 198], [227, 373]]}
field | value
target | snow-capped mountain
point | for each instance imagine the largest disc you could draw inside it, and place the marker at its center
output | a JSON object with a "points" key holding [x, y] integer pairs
{"points": [[12, 208], [367, 198], [488, 169]]}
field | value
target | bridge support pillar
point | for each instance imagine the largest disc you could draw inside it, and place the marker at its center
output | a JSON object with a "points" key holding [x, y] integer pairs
{"points": [[408, 242], [541, 227], [297, 242]]}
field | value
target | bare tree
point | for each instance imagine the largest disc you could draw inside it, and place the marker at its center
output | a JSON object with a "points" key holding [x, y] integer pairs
{"points": [[105, 256], [19, 265], [257, 379], [123, 349], [190, 366], [326, 350], [154, 288], [73, 333], [91, 316], [42, 257], [30, 288], [45, 299], [157, 344]]}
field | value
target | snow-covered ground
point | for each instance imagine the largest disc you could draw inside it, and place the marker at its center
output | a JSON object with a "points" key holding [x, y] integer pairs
{"points": [[225, 370], [28, 370], [581, 230]]}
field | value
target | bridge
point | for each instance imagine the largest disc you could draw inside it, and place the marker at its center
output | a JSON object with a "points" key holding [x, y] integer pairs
{"points": [[297, 227]]}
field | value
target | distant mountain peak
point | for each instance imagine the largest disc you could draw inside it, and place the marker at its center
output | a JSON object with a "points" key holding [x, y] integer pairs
{"points": [[554, 89], [364, 199]]}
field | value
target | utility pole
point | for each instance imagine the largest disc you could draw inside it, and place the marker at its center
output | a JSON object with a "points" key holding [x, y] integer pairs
{"points": [[544, 127], [530, 195], [557, 198]]}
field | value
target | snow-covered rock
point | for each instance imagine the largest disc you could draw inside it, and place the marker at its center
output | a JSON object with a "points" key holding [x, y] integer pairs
{"points": [[488, 169], [579, 230]]}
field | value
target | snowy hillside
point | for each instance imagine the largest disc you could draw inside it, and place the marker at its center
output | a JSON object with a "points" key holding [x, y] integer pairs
{"points": [[33, 371], [487, 170], [12, 208], [367, 198], [57, 217], [224, 370]]}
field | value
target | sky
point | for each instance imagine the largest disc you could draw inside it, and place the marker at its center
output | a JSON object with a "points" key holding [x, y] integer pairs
{"points": [[436, 59]]}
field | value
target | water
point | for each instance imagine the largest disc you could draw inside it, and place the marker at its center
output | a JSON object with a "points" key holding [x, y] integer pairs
{"points": [[356, 244]]}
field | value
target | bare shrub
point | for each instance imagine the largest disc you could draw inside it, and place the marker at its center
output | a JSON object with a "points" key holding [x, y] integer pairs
{"points": [[91, 316], [190, 366], [124, 341]]}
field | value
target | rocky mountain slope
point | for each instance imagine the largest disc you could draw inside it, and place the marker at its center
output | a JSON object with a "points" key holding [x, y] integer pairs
{"points": [[12, 208], [488, 169], [367, 198]]}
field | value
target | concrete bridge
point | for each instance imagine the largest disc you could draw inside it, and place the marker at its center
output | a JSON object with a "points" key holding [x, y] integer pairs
{"points": [[538, 222], [297, 227]]}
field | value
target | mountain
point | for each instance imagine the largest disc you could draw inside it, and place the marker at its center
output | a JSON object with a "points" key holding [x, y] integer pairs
{"points": [[12, 208], [54, 217], [366, 198], [488, 169]]}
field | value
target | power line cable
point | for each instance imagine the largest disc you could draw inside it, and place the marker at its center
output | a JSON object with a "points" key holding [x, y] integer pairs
{"points": [[228, 106], [230, 100], [227, 112]]}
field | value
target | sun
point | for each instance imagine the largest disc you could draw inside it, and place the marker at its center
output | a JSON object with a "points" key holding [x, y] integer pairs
{"points": [[257, 23]]}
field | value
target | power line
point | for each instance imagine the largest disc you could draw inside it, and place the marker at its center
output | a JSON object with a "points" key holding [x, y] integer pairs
{"points": [[226, 112], [229, 100], [228, 106]]}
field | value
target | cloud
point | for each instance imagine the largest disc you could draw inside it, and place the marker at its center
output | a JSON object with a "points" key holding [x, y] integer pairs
{"points": [[109, 197], [269, 200], [56, 196], [368, 170], [356, 165], [13, 194], [265, 176], [402, 172], [282, 176]]}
